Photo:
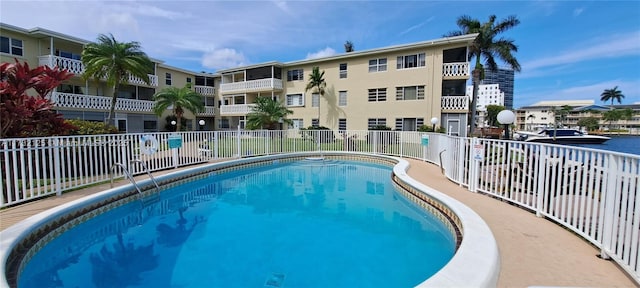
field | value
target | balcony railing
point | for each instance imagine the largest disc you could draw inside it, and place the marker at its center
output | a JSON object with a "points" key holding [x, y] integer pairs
{"points": [[76, 67], [458, 69], [80, 101], [253, 85], [236, 109], [205, 90], [208, 111], [454, 103]]}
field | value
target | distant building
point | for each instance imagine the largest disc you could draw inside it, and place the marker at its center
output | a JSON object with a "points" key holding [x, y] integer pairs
{"points": [[488, 94], [504, 78], [541, 115]]}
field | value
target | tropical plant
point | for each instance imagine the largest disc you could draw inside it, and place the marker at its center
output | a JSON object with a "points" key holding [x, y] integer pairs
{"points": [[612, 94], [488, 47], [22, 115], [267, 113], [590, 123], [492, 114], [316, 83], [113, 62], [561, 114], [181, 99], [348, 46], [84, 127]]}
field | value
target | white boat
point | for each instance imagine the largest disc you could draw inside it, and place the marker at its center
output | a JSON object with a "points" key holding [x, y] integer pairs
{"points": [[560, 136]]}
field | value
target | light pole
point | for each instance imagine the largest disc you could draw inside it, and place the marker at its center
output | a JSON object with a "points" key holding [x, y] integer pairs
{"points": [[173, 123], [201, 122], [506, 118], [434, 121]]}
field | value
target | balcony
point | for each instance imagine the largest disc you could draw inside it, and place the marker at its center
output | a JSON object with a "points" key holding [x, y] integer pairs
{"points": [[76, 67], [235, 110], [456, 70], [267, 84], [205, 90], [208, 111], [101, 103], [454, 103]]}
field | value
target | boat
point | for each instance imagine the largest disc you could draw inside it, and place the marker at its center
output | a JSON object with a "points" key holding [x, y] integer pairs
{"points": [[560, 136]]}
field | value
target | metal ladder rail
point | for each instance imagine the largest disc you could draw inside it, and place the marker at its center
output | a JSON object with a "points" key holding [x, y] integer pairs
{"points": [[126, 173], [144, 166]]}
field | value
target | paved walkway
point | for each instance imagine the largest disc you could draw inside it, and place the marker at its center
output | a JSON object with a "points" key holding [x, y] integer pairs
{"points": [[533, 251]]}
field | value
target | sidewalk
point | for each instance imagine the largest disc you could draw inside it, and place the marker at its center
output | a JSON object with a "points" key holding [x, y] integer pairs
{"points": [[533, 251]]}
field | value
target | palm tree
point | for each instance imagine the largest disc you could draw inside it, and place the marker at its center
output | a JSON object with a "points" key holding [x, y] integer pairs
{"points": [[486, 46], [114, 61], [317, 83], [612, 94], [180, 99], [267, 113], [348, 46]]}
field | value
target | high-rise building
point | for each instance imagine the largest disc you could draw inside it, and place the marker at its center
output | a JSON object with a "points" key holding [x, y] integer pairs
{"points": [[503, 77]]}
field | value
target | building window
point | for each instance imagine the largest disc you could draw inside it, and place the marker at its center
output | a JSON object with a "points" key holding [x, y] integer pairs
{"points": [[410, 93], [315, 122], [11, 46], [70, 55], [343, 70], [296, 74], [167, 78], [408, 124], [73, 89], [342, 124], [377, 65], [297, 124], [150, 126], [295, 100], [373, 122], [342, 98], [411, 61], [315, 100], [223, 123], [378, 95], [188, 79]]}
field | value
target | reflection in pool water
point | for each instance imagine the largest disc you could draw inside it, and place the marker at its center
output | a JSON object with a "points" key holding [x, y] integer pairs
{"points": [[297, 224]]}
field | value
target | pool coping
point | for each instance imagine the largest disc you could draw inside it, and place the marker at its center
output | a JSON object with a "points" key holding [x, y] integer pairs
{"points": [[478, 244]]}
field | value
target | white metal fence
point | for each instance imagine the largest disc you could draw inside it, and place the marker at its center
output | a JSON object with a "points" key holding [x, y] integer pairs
{"points": [[593, 193]]}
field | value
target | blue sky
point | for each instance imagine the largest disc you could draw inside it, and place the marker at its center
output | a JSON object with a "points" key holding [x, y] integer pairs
{"points": [[567, 49]]}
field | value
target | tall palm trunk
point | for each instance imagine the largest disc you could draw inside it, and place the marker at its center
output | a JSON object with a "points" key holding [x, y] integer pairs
{"points": [[112, 110]]}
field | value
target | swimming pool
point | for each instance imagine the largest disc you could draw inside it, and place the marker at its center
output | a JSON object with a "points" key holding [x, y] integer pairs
{"points": [[185, 221]]}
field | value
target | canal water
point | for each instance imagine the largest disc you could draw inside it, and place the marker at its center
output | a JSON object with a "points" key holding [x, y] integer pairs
{"points": [[624, 144]]}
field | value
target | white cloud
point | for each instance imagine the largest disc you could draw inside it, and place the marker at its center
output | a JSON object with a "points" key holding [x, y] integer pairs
{"points": [[223, 58], [326, 52], [414, 27], [613, 46], [583, 92], [578, 11]]}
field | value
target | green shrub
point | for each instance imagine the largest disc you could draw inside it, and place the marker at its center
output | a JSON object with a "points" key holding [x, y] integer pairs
{"points": [[84, 127]]}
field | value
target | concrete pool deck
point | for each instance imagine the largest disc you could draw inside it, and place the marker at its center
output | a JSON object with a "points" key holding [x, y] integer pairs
{"points": [[533, 251]]}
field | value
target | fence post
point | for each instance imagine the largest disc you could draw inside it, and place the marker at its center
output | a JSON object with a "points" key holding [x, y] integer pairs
{"points": [[475, 166], [609, 211], [57, 165], [238, 143], [461, 153], [541, 192], [215, 144]]}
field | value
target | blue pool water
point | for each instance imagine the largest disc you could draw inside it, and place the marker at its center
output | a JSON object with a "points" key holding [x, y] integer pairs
{"points": [[299, 224]]}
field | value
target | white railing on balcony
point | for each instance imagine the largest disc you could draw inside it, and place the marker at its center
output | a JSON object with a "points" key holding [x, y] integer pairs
{"points": [[205, 90], [76, 67], [69, 100], [208, 111], [454, 103], [593, 193], [236, 109], [153, 80], [458, 69], [253, 85], [72, 65]]}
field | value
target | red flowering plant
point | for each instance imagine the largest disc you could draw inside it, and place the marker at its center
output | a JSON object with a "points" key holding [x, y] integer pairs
{"points": [[23, 115]]}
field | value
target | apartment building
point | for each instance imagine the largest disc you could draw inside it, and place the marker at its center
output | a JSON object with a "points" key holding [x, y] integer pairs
{"points": [[88, 100], [401, 86], [542, 114]]}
